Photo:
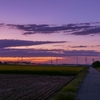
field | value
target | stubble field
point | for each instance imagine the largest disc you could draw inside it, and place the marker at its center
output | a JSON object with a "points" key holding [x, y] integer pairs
{"points": [[21, 82]]}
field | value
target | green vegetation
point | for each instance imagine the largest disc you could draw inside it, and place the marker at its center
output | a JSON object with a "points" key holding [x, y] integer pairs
{"points": [[43, 70], [96, 64], [69, 91]]}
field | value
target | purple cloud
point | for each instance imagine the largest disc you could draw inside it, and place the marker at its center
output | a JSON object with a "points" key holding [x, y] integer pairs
{"points": [[13, 43], [46, 53], [47, 29], [72, 29], [81, 46], [95, 30]]}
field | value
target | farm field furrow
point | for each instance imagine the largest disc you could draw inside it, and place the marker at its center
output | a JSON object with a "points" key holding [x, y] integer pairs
{"points": [[29, 87]]}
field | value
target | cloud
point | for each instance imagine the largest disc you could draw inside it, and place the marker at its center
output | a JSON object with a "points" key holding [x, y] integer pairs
{"points": [[91, 28], [28, 33], [82, 53], [2, 24], [46, 53], [81, 46], [58, 45], [98, 45], [48, 29], [95, 30], [13, 43]]}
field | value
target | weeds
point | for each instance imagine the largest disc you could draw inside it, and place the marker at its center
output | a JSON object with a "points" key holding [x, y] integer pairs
{"points": [[69, 91]]}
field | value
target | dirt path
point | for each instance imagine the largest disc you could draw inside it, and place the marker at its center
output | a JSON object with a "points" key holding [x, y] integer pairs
{"points": [[90, 89]]}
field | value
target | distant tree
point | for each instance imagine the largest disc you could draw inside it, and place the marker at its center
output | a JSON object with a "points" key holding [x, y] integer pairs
{"points": [[96, 64], [0, 62], [5, 63]]}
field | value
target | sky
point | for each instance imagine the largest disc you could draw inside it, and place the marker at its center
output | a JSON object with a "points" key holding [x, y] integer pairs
{"points": [[41, 30]]}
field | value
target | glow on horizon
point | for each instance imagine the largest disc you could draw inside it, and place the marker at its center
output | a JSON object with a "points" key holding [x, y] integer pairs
{"points": [[31, 59], [77, 15], [60, 60]]}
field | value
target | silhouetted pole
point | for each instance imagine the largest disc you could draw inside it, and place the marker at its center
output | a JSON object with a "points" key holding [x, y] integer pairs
{"points": [[18, 59], [86, 60], [51, 60], [22, 59], [56, 61], [77, 60], [93, 59]]}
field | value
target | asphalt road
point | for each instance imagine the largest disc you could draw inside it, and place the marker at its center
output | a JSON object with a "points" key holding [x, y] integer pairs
{"points": [[90, 89]]}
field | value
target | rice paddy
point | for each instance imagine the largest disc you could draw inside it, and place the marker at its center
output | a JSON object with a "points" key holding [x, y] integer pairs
{"points": [[41, 70], [28, 82]]}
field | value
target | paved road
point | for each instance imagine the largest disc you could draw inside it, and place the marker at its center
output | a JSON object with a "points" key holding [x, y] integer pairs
{"points": [[90, 89]]}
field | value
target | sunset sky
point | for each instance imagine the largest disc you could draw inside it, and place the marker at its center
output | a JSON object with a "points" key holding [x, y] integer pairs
{"points": [[41, 30]]}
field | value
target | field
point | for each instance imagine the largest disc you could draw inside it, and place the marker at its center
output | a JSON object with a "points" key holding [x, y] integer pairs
{"points": [[41, 70], [24, 82], [29, 87]]}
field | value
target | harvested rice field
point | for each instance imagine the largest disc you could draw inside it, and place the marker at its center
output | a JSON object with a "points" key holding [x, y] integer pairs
{"points": [[30, 87]]}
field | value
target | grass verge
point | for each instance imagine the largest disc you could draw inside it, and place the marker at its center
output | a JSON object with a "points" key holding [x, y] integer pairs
{"points": [[97, 68], [69, 91]]}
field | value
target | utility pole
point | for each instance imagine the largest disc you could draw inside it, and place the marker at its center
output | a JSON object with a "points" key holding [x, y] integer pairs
{"points": [[77, 60], [18, 59], [51, 60], [56, 61], [93, 59], [86, 60], [22, 59]]}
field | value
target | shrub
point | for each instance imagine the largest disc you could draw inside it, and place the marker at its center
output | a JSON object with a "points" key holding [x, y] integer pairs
{"points": [[96, 64], [0, 62]]}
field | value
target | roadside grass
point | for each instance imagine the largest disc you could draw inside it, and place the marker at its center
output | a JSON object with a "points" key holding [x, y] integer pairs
{"points": [[69, 91], [66, 93], [40, 70], [98, 68]]}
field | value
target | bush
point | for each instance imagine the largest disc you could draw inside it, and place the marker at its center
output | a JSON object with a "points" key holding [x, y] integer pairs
{"points": [[0, 62], [96, 64]]}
